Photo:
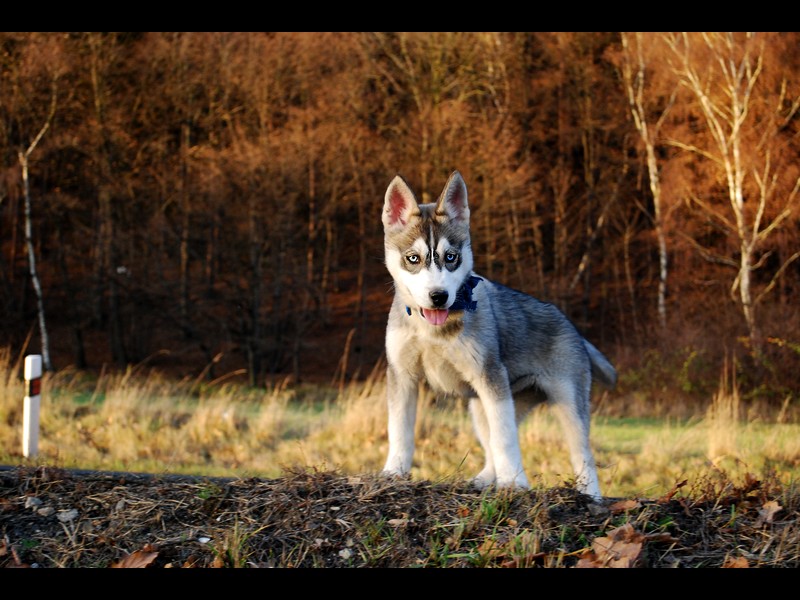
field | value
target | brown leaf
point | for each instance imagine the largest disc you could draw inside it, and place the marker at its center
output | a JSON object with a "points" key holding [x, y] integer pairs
{"points": [[767, 512], [191, 562], [490, 546], [668, 496], [736, 563], [588, 560], [624, 505], [620, 549], [136, 560], [625, 533]]}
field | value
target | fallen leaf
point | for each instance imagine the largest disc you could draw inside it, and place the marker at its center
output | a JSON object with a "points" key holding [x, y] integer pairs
{"points": [[620, 549], [588, 561], [624, 505], [136, 560], [767, 512], [668, 496], [625, 533], [736, 563], [191, 562], [490, 546]]}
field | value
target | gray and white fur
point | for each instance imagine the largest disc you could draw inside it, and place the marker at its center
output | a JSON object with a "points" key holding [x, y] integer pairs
{"points": [[502, 350]]}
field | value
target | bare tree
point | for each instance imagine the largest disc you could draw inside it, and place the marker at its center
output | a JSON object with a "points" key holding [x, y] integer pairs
{"points": [[24, 159], [744, 118], [634, 70]]}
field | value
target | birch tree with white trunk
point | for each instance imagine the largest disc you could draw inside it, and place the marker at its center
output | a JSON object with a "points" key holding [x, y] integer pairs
{"points": [[24, 160], [744, 115], [648, 123]]}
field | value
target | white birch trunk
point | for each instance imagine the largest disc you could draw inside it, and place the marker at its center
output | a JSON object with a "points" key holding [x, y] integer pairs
{"points": [[37, 286]]}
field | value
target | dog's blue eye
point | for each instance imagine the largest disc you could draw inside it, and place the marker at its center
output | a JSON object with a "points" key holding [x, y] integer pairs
{"points": [[413, 258], [450, 257]]}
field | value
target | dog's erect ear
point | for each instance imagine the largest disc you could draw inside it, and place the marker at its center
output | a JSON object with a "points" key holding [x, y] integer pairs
{"points": [[453, 201], [399, 204]]}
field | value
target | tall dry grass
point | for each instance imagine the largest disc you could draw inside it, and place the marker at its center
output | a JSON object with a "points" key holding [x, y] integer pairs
{"points": [[723, 417], [138, 420]]}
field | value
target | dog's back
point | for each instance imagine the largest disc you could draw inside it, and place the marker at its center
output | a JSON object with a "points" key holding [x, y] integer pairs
{"points": [[537, 331]]}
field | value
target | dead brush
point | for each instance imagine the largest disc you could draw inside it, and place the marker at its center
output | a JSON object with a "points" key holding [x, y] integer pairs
{"points": [[313, 518]]}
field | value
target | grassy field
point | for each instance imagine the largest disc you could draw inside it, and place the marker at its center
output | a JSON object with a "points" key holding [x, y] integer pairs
{"points": [[140, 421], [136, 469]]}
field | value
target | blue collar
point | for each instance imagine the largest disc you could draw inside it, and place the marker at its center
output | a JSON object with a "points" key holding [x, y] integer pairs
{"points": [[464, 299]]}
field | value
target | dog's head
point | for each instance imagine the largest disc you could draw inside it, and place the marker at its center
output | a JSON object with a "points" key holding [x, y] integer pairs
{"points": [[427, 246]]}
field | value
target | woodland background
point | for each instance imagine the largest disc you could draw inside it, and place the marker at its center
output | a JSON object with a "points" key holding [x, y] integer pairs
{"points": [[209, 203]]}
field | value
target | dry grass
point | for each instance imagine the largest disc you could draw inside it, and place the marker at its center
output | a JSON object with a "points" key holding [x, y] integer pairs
{"points": [[724, 418], [143, 422], [286, 477]]}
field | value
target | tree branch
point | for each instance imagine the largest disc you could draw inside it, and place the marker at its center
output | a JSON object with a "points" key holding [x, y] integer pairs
{"points": [[695, 149], [775, 277], [707, 255]]}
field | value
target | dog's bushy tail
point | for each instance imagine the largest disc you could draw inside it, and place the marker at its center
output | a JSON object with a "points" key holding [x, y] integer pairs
{"points": [[602, 369]]}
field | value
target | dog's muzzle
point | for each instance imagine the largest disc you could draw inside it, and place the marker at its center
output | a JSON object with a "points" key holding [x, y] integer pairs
{"points": [[437, 316]]}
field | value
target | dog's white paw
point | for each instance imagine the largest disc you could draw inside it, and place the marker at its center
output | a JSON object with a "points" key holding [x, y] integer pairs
{"points": [[483, 479], [520, 482], [398, 473]]}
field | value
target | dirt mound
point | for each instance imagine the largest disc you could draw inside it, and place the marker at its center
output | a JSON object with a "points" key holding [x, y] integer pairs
{"points": [[50, 517]]}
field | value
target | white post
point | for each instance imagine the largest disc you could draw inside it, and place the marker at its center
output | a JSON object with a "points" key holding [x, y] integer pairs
{"points": [[30, 413]]}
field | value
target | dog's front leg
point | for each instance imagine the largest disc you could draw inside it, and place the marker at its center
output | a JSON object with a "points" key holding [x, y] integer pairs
{"points": [[401, 393], [494, 418]]}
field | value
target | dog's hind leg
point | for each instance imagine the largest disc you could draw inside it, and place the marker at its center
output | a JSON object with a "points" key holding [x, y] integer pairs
{"points": [[571, 406], [401, 394]]}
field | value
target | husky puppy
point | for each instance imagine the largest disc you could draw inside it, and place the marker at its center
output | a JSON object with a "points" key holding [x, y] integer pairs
{"points": [[502, 350]]}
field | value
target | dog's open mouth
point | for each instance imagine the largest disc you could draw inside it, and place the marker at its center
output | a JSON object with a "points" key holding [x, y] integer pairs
{"points": [[435, 316]]}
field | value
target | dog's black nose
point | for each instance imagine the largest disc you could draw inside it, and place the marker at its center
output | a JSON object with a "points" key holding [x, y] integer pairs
{"points": [[439, 298]]}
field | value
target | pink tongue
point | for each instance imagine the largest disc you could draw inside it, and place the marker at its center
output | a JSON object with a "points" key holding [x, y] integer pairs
{"points": [[435, 316]]}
